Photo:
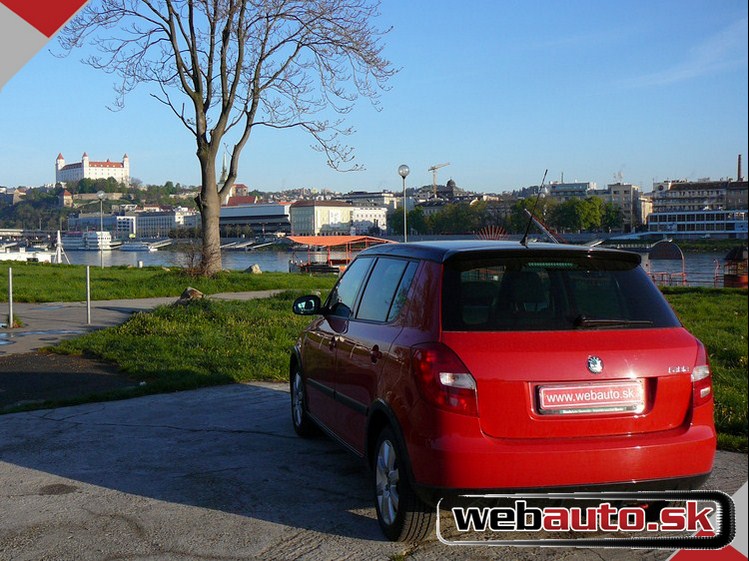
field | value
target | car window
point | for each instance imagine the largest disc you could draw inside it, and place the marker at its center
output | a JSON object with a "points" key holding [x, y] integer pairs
{"points": [[381, 288], [402, 293], [564, 293], [343, 296]]}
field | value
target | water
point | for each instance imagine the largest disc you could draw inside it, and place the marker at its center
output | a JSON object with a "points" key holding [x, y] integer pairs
{"points": [[269, 261], [700, 267]]}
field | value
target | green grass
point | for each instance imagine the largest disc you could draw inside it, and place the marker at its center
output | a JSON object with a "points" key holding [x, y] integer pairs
{"points": [[205, 343], [42, 282], [719, 319]]}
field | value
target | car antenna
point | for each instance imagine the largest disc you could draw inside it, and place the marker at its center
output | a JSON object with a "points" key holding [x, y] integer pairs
{"points": [[524, 241]]}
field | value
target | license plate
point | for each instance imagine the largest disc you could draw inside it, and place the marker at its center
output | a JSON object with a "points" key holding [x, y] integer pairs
{"points": [[598, 397]]}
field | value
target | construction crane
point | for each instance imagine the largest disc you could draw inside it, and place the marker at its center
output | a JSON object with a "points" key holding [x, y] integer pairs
{"points": [[434, 169]]}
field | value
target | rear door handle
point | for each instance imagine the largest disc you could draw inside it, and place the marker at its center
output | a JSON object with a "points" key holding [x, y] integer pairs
{"points": [[376, 354]]}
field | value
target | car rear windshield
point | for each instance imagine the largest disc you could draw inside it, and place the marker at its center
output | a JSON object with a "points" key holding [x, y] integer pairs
{"points": [[501, 293]]}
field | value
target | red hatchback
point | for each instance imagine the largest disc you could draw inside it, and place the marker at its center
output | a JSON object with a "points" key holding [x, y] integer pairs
{"points": [[475, 367]]}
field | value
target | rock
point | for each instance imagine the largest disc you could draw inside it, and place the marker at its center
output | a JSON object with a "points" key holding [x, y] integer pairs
{"points": [[254, 269], [189, 295]]}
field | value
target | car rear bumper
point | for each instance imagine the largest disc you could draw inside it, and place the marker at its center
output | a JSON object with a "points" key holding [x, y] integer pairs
{"points": [[468, 460]]}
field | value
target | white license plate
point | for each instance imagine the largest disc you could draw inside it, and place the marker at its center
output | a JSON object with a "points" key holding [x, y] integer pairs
{"points": [[594, 397]]}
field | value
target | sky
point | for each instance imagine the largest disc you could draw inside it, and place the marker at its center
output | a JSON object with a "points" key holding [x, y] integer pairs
{"points": [[635, 90]]}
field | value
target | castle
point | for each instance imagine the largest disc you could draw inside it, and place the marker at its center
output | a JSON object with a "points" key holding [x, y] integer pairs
{"points": [[86, 169]]}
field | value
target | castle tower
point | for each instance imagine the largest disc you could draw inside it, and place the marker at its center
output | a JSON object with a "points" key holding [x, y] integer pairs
{"points": [[126, 167], [85, 164]]}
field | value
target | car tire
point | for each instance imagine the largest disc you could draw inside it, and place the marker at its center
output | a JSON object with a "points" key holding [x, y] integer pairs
{"points": [[402, 515], [303, 425]]}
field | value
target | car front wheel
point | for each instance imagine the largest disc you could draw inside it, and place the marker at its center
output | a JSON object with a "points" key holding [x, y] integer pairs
{"points": [[402, 515]]}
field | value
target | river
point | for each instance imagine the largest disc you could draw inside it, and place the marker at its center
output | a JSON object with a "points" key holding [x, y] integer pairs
{"points": [[699, 267]]}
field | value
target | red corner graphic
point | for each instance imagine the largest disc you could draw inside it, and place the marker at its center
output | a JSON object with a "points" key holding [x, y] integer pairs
{"points": [[45, 15]]}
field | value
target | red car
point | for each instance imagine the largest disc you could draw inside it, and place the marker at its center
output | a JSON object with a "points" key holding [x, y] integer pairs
{"points": [[477, 367]]}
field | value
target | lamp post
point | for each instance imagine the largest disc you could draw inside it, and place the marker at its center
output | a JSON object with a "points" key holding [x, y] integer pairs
{"points": [[100, 237], [403, 171]]}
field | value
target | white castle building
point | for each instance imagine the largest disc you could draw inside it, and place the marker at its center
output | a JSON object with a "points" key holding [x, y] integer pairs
{"points": [[86, 169]]}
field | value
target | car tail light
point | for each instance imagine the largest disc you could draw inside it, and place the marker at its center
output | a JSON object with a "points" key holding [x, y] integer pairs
{"points": [[702, 380], [443, 379]]}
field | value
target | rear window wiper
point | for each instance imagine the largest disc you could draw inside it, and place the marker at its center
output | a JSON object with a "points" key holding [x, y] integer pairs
{"points": [[582, 322]]}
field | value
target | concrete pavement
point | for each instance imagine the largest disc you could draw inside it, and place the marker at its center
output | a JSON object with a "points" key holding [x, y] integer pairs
{"points": [[47, 324], [216, 473]]}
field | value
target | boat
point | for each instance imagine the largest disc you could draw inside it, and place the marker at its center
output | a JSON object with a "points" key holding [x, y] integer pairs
{"points": [[137, 246], [329, 254], [89, 241]]}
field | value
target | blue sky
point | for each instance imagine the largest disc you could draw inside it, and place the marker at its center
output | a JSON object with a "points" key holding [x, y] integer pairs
{"points": [[500, 89]]}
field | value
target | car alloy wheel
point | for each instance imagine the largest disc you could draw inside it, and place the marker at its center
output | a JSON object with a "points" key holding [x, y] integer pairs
{"points": [[400, 512]]}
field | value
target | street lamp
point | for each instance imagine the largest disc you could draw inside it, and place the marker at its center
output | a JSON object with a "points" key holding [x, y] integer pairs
{"points": [[403, 171], [100, 237]]}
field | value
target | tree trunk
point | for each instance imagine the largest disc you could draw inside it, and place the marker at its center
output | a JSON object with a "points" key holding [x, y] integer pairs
{"points": [[210, 212]]}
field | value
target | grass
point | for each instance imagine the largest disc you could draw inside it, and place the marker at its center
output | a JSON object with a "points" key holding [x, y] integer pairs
{"points": [[205, 343], [719, 319], [42, 282]]}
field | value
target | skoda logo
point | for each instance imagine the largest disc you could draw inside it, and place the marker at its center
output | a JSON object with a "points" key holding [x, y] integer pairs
{"points": [[595, 365]]}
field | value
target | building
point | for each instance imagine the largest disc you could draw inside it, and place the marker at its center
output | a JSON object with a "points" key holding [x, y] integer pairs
{"points": [[381, 198], [65, 198], [369, 219], [561, 192], [321, 218], [261, 218], [87, 169], [626, 197], [702, 208], [157, 224]]}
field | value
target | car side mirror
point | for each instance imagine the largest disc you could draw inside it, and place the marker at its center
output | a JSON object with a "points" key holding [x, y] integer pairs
{"points": [[307, 305]]}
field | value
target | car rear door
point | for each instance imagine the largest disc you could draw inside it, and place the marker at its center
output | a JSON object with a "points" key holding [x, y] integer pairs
{"points": [[363, 349]]}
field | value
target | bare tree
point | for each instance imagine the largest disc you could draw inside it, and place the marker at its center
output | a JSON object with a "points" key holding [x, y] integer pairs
{"points": [[224, 67]]}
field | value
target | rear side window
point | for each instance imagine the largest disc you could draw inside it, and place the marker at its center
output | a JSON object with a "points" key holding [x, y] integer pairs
{"points": [[558, 293], [383, 290]]}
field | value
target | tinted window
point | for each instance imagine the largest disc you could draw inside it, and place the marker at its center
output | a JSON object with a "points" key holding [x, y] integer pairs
{"points": [[402, 292], [343, 296], [559, 293], [380, 290]]}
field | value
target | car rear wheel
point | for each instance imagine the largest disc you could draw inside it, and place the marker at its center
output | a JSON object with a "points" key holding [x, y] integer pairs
{"points": [[402, 515], [303, 426]]}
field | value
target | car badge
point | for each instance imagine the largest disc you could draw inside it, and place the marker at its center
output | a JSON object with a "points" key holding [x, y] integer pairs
{"points": [[595, 365]]}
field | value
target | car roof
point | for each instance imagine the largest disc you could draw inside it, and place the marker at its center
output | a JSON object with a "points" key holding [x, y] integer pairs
{"points": [[442, 250]]}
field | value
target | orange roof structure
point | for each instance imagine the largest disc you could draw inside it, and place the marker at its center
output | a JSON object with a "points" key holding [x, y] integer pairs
{"points": [[335, 241]]}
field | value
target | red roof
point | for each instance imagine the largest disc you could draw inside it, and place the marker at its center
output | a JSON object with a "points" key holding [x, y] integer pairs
{"points": [[242, 200]]}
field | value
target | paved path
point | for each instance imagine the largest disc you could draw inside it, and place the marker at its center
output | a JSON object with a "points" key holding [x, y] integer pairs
{"points": [[48, 323], [216, 473]]}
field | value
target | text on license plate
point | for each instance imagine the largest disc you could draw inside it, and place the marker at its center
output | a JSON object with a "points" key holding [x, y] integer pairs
{"points": [[597, 397]]}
